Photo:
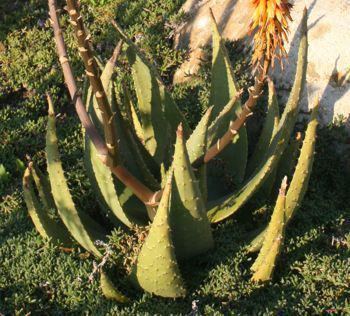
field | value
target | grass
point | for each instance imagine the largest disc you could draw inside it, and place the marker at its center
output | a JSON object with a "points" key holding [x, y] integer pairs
{"points": [[313, 273]]}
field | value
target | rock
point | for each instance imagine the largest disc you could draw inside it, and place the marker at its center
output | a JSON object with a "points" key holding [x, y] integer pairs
{"points": [[328, 73], [232, 17], [328, 60]]}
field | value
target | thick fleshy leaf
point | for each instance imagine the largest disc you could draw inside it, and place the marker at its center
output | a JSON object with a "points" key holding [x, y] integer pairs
{"points": [[268, 132], [43, 187], [155, 127], [159, 114], [257, 242], [191, 229], [157, 270], [300, 180], [116, 200], [228, 205], [265, 262], [133, 161], [106, 79], [197, 146], [102, 182], [288, 162], [220, 121], [146, 164], [45, 224], [109, 290], [223, 89], [197, 143], [132, 115], [81, 226]]}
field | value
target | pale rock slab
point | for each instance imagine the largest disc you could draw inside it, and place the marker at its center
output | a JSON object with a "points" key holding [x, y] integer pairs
{"points": [[233, 20], [329, 48], [328, 60]]}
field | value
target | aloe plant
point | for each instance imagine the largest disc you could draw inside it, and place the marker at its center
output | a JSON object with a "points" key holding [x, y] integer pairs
{"points": [[271, 239], [148, 168]]}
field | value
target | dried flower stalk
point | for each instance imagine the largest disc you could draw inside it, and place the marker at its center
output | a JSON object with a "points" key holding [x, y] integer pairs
{"points": [[138, 188]]}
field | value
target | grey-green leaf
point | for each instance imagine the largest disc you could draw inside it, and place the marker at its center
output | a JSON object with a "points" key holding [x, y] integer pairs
{"points": [[81, 226], [228, 205], [268, 132], [223, 89], [47, 226], [191, 229]]}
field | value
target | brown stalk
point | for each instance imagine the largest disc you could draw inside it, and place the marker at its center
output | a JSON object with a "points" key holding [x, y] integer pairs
{"points": [[139, 189], [89, 127], [234, 127], [254, 94], [91, 70], [247, 110]]}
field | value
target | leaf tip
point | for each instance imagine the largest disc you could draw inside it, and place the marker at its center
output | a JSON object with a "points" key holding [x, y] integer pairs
{"points": [[179, 131], [51, 110]]}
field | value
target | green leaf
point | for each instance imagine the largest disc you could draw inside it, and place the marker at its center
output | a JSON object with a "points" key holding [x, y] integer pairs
{"points": [[102, 181], [43, 186], [227, 206], [90, 99], [142, 158], [155, 127], [288, 162], [109, 290], [157, 270], [197, 146], [191, 229], [220, 121], [132, 115], [268, 132], [20, 167], [81, 226], [46, 226], [265, 262], [223, 89], [159, 114], [116, 200], [300, 180], [257, 242], [4, 175], [132, 161]]}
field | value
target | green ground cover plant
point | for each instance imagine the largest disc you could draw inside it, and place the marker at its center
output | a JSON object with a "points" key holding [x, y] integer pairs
{"points": [[36, 277]]}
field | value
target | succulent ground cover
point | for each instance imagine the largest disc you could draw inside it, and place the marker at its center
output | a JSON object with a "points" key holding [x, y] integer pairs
{"points": [[39, 278]]}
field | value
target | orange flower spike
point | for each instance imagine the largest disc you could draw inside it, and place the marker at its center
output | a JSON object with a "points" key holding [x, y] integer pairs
{"points": [[270, 24]]}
